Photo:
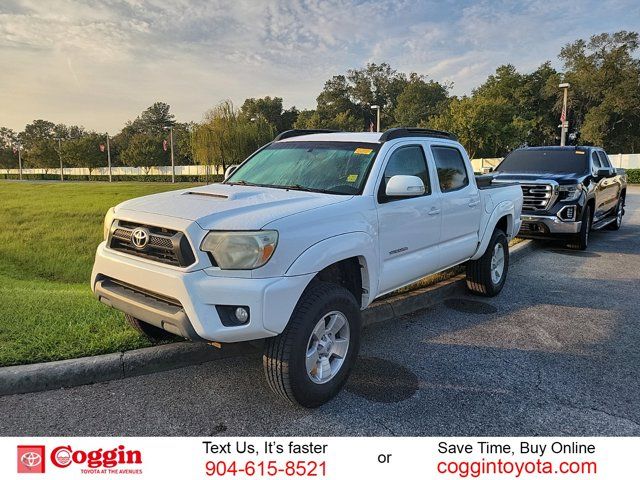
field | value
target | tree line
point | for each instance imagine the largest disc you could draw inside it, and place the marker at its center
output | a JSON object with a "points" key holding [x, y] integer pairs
{"points": [[509, 109]]}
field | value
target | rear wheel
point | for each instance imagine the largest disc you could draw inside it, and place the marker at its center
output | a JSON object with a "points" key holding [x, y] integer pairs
{"points": [[309, 362], [617, 223], [486, 276], [581, 240], [151, 332]]}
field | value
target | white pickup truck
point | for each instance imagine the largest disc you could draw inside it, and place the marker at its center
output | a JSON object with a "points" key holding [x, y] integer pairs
{"points": [[298, 240]]}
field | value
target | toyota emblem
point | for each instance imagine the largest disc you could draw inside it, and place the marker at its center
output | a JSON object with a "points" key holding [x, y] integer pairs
{"points": [[140, 237], [31, 459]]}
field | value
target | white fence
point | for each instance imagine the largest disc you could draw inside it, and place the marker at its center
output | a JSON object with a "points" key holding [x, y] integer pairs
{"points": [[619, 160], [164, 170]]}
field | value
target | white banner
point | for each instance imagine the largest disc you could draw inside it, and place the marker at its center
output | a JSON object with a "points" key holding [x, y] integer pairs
{"points": [[323, 458]]}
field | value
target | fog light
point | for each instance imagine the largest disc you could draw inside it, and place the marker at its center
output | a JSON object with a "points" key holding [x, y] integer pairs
{"points": [[242, 315]]}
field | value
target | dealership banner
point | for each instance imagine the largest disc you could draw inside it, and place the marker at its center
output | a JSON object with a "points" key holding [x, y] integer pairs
{"points": [[330, 458]]}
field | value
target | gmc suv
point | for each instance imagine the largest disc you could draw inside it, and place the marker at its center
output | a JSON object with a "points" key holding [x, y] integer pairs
{"points": [[568, 191]]}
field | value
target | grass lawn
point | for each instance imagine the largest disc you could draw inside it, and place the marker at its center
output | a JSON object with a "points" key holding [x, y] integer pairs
{"points": [[48, 236]]}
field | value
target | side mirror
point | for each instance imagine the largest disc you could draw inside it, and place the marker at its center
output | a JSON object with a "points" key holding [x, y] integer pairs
{"points": [[490, 169], [230, 170], [404, 186], [604, 173]]}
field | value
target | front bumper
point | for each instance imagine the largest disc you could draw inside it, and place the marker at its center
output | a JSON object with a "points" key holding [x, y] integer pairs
{"points": [[184, 303], [542, 225]]}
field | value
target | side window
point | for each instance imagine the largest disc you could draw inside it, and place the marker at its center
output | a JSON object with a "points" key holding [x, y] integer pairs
{"points": [[596, 160], [408, 160], [452, 172], [604, 160]]}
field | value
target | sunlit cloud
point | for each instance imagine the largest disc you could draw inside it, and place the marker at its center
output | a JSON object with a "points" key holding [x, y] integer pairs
{"points": [[100, 62]]}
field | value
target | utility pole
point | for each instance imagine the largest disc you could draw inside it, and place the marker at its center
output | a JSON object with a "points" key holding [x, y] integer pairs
{"points": [[173, 165], [564, 123], [60, 156], [19, 162], [109, 156], [377, 109]]}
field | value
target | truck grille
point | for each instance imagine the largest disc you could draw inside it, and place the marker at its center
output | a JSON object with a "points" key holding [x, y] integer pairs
{"points": [[162, 245], [536, 196]]}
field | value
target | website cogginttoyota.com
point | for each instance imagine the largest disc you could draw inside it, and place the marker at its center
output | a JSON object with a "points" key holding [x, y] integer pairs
{"points": [[286, 239]]}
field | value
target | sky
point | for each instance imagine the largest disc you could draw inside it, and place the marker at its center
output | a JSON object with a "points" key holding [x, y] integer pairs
{"points": [[99, 63]]}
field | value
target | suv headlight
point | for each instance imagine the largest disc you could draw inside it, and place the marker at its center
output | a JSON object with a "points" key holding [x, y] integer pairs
{"points": [[108, 220], [569, 193], [240, 250]]}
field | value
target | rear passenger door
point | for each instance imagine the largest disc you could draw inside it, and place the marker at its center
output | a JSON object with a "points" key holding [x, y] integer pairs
{"points": [[461, 209], [408, 227]]}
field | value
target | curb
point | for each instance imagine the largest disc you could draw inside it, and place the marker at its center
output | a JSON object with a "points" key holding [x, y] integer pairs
{"points": [[39, 377]]}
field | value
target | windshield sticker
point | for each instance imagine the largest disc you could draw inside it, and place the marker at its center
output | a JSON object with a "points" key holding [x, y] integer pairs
{"points": [[352, 178], [363, 151]]}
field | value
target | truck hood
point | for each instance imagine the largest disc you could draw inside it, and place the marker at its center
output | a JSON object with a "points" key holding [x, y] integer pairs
{"points": [[561, 178], [230, 207]]}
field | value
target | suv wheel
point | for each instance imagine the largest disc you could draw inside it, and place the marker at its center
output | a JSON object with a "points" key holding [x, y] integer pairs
{"points": [[486, 276], [617, 223], [581, 241], [151, 332], [309, 362]]}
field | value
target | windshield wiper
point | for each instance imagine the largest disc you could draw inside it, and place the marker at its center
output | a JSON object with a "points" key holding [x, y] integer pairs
{"points": [[302, 188]]}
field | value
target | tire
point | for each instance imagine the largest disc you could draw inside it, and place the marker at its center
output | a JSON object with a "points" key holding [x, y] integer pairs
{"points": [[285, 356], [151, 332], [619, 212], [484, 275], [581, 240]]}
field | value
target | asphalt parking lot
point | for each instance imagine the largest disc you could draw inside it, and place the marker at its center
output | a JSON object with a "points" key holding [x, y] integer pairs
{"points": [[557, 353]]}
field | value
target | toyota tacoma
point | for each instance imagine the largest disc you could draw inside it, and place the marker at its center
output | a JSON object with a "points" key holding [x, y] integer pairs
{"points": [[298, 240]]}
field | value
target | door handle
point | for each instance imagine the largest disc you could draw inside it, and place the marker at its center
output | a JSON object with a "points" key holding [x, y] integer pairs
{"points": [[473, 203], [434, 211]]}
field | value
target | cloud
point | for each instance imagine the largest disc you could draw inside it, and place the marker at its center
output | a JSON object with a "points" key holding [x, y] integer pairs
{"points": [[100, 62]]}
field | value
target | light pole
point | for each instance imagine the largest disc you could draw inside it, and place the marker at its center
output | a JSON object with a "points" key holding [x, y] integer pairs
{"points": [[109, 156], [173, 165], [377, 109], [60, 157], [564, 123], [19, 161]]}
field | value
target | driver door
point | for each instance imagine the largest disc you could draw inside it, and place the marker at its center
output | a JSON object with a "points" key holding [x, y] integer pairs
{"points": [[408, 227]]}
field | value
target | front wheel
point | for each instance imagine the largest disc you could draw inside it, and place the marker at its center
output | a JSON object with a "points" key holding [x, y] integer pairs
{"points": [[581, 240], [309, 362], [486, 275]]}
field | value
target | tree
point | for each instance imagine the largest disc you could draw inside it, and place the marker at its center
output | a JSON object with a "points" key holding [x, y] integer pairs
{"points": [[8, 146], [226, 137], [271, 110], [154, 120], [605, 89], [484, 125], [420, 100], [143, 151], [84, 152]]}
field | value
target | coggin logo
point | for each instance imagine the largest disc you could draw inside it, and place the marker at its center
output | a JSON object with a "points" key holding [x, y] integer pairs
{"points": [[64, 456]]}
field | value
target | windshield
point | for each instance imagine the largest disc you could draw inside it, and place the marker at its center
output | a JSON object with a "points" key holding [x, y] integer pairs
{"points": [[328, 167], [545, 161]]}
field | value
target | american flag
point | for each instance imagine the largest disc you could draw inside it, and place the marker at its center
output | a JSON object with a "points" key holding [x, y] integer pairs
{"points": [[563, 115]]}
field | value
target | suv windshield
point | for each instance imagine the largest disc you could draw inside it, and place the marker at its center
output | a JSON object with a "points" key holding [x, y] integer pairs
{"points": [[328, 167], [545, 161]]}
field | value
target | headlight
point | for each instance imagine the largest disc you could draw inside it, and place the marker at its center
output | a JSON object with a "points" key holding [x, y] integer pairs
{"points": [[570, 192], [108, 220], [240, 250]]}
